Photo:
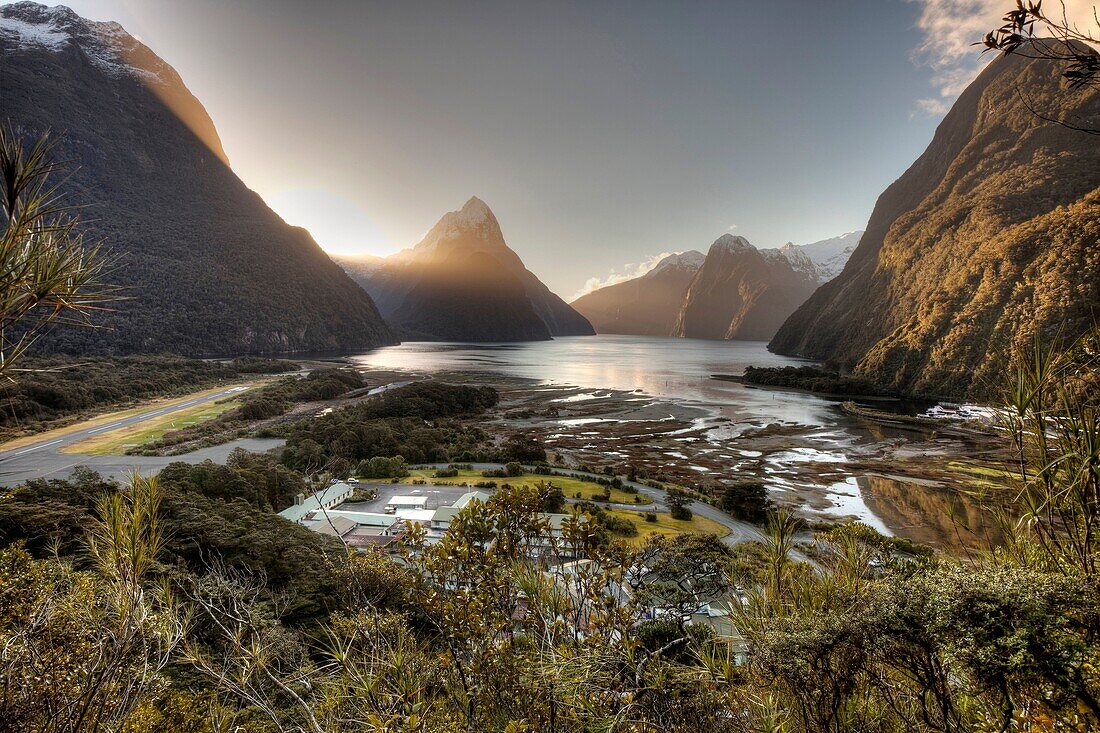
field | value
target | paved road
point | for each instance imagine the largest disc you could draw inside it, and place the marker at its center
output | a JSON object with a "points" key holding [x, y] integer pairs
{"points": [[739, 531], [45, 459]]}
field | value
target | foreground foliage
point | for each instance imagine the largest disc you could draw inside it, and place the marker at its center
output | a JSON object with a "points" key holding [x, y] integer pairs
{"points": [[183, 604]]}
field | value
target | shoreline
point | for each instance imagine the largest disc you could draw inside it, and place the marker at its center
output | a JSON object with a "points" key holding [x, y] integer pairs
{"points": [[839, 396]]}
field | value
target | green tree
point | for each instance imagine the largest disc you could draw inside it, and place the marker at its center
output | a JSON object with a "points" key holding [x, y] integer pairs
{"points": [[747, 500], [678, 502]]}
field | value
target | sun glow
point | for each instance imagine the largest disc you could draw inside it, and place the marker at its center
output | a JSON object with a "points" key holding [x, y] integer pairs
{"points": [[338, 224]]}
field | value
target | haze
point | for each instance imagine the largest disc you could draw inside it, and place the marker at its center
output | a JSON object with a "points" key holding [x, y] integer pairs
{"points": [[600, 134]]}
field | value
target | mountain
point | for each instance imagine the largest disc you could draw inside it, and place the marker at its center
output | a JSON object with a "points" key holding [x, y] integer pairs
{"points": [[205, 266], [991, 238], [822, 260], [646, 305], [741, 292], [463, 283]]}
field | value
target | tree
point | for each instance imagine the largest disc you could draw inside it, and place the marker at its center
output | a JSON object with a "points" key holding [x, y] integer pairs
{"points": [[83, 649], [678, 501], [1036, 32], [48, 274], [747, 500]]}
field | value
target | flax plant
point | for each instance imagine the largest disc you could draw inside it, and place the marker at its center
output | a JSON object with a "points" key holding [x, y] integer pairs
{"points": [[48, 274]]}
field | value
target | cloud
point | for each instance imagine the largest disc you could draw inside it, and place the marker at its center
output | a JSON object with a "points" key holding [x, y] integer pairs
{"points": [[629, 272], [950, 28], [732, 227]]}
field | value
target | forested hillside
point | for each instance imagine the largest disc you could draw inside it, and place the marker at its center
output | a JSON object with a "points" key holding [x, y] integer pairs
{"points": [[990, 240], [204, 266]]}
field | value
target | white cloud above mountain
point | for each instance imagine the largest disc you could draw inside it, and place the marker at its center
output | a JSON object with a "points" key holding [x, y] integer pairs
{"points": [[950, 28], [628, 271]]}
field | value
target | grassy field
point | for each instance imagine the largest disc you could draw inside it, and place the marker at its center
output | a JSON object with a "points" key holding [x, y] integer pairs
{"points": [[109, 417], [117, 442], [570, 486], [666, 525]]}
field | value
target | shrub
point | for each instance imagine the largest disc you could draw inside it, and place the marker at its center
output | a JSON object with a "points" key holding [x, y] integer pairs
{"points": [[747, 500], [382, 467]]}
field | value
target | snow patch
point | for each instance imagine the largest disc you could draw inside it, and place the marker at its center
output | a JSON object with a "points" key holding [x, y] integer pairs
{"points": [[106, 45]]}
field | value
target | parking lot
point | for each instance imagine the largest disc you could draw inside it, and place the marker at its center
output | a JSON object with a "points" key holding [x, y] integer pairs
{"points": [[437, 495]]}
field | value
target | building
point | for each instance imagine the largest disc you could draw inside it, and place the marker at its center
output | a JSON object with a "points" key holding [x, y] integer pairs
{"points": [[397, 503], [332, 495], [444, 515]]}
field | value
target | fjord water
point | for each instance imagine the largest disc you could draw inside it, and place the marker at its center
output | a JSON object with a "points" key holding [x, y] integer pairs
{"points": [[666, 368], [680, 371]]}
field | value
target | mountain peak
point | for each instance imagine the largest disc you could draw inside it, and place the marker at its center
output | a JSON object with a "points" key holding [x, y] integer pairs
{"points": [[473, 227], [107, 45], [690, 260], [731, 243], [476, 207]]}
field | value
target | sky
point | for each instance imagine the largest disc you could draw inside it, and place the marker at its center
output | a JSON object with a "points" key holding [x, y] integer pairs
{"points": [[601, 133]]}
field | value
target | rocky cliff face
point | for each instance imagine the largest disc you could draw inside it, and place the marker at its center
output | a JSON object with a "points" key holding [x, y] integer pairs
{"points": [[646, 306], [205, 266], [463, 283], [741, 292], [990, 239]]}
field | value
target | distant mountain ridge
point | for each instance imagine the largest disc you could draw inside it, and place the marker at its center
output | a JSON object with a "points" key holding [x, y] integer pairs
{"points": [[206, 267], [647, 305], [822, 260], [745, 295], [463, 283], [741, 293], [989, 240]]}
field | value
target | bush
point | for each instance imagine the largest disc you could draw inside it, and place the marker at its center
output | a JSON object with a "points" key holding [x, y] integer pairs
{"points": [[678, 501], [747, 500], [448, 472], [382, 467], [651, 516], [513, 469]]}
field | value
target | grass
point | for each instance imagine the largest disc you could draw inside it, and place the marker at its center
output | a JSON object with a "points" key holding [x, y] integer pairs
{"points": [[666, 525], [109, 417], [981, 476], [117, 442], [569, 485]]}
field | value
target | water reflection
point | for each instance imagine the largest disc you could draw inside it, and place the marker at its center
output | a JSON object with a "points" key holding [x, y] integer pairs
{"points": [[808, 433]]}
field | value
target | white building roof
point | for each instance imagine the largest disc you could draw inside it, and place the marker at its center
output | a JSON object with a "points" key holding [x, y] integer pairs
{"points": [[365, 519], [409, 501], [469, 496], [415, 515], [331, 495]]}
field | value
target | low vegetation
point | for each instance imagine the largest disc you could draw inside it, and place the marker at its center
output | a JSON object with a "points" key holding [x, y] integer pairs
{"points": [[181, 603], [52, 391], [814, 379], [264, 403]]}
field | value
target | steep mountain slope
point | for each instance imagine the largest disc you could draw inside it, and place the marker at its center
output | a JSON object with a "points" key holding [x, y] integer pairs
{"points": [[207, 268], [741, 292], [463, 283], [646, 305], [988, 240]]}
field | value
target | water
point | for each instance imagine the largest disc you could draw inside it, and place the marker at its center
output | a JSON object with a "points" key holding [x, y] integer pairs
{"points": [[666, 368], [801, 444]]}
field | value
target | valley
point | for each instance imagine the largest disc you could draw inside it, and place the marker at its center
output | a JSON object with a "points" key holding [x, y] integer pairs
{"points": [[280, 455], [652, 404]]}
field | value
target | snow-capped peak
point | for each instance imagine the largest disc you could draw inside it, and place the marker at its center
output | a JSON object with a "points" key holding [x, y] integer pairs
{"points": [[107, 45], [690, 260], [474, 224], [731, 243], [821, 260]]}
